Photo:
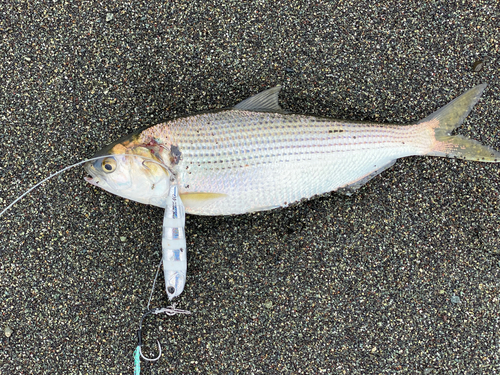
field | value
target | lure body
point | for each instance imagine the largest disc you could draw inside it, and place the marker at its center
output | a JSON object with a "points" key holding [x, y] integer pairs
{"points": [[173, 243]]}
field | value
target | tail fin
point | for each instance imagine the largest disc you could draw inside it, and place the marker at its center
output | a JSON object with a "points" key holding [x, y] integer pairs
{"points": [[451, 116]]}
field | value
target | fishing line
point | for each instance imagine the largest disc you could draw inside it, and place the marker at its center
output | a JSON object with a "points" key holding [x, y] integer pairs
{"points": [[74, 165], [154, 282], [170, 310]]}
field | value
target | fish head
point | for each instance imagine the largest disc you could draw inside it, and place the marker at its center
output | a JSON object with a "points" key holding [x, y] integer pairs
{"points": [[130, 171]]}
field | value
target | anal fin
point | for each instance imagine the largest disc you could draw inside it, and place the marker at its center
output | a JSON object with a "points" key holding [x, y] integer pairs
{"points": [[351, 187]]}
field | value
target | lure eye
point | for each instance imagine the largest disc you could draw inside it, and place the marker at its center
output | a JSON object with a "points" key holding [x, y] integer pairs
{"points": [[108, 165], [171, 289]]}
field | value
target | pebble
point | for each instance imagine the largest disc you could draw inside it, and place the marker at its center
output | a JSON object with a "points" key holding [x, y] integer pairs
{"points": [[478, 65], [8, 331]]}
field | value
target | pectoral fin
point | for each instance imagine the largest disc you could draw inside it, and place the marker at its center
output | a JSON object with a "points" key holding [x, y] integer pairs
{"points": [[195, 200]]}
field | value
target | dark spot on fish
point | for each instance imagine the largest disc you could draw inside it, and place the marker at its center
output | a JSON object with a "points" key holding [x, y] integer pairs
{"points": [[175, 155], [354, 137], [171, 289], [181, 249], [186, 186], [152, 186], [335, 131]]}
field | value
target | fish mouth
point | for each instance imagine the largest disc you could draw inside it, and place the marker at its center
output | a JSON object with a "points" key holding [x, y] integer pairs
{"points": [[94, 180], [99, 182]]}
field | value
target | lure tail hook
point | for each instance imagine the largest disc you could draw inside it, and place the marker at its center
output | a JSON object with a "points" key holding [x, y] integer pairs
{"points": [[171, 310], [139, 347]]}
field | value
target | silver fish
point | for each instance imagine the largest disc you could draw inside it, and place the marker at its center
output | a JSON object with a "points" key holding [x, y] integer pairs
{"points": [[256, 157]]}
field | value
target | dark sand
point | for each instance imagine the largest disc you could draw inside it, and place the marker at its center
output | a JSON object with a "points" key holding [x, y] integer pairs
{"points": [[402, 277]]}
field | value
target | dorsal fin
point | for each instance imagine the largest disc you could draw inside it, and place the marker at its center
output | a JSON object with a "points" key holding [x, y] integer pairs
{"points": [[265, 101]]}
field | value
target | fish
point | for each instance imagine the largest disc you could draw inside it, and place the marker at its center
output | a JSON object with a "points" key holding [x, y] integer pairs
{"points": [[255, 157]]}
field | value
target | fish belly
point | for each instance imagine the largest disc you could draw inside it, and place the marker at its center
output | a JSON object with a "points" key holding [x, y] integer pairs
{"points": [[242, 161]]}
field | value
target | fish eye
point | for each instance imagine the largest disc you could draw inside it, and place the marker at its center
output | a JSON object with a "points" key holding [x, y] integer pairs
{"points": [[108, 165]]}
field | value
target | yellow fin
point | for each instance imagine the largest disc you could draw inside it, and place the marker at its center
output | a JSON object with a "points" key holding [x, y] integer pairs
{"points": [[197, 198], [452, 115]]}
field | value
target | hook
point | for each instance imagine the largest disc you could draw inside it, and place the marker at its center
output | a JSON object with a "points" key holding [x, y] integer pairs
{"points": [[171, 310], [151, 359], [139, 345]]}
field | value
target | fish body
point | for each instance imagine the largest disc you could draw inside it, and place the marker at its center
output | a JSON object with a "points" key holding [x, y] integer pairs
{"points": [[256, 161], [256, 157]]}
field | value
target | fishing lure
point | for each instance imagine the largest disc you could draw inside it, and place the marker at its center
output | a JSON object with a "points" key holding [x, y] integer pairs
{"points": [[174, 253]]}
